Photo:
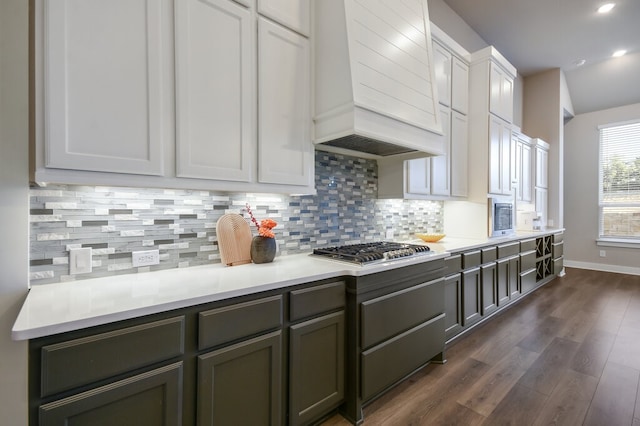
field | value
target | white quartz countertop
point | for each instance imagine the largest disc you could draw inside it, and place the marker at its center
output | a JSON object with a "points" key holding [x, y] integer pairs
{"points": [[61, 307]]}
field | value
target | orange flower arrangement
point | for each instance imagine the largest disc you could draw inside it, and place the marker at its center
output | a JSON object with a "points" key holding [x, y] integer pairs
{"points": [[265, 226]]}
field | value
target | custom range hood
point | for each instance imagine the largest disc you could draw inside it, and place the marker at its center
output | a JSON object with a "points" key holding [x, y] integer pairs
{"points": [[375, 92]]}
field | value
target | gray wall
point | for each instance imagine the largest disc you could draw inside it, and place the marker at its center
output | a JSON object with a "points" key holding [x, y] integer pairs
{"points": [[581, 192], [13, 206], [451, 23]]}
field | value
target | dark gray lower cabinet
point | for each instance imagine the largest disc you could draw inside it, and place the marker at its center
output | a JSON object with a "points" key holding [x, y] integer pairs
{"points": [[514, 277], [489, 288], [471, 295], [317, 362], [453, 304], [504, 291], [153, 398], [241, 384]]}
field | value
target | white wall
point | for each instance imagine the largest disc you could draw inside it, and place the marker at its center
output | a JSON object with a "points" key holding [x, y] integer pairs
{"points": [[14, 211], [581, 193]]}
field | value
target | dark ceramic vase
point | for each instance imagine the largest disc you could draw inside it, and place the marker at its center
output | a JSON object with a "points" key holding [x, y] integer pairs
{"points": [[263, 249]]}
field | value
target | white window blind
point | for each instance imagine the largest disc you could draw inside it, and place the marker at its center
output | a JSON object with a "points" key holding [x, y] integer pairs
{"points": [[620, 181]]}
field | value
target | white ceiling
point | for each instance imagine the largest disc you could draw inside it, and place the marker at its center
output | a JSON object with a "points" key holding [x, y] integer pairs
{"points": [[537, 35]]}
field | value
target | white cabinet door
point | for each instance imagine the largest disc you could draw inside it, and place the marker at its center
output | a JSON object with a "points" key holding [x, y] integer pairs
{"points": [[525, 183], [294, 14], [459, 155], [107, 85], [459, 86], [418, 175], [499, 156], [541, 204], [442, 69], [542, 167], [215, 87], [440, 165], [500, 93], [285, 150]]}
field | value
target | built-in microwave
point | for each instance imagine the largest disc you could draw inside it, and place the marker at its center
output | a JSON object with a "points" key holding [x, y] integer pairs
{"points": [[501, 216]]}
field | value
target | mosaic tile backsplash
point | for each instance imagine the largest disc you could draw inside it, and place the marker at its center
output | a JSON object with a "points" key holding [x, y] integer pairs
{"points": [[115, 222]]}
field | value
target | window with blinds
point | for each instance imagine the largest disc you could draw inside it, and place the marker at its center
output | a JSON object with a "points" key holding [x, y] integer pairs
{"points": [[620, 181]]}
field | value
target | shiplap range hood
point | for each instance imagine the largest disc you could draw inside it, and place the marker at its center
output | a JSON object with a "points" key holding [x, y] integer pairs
{"points": [[375, 92]]}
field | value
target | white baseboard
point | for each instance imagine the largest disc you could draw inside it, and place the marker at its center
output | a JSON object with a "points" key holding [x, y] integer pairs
{"points": [[602, 267]]}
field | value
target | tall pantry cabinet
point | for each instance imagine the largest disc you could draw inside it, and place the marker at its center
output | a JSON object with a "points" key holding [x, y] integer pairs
{"points": [[211, 94], [490, 128]]}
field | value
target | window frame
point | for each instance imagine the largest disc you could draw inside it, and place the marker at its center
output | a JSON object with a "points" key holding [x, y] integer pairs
{"points": [[610, 240]]}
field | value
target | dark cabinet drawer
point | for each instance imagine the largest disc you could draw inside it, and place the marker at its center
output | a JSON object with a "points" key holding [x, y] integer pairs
{"points": [[558, 238], [224, 325], [391, 314], [385, 364], [528, 245], [557, 249], [506, 250], [528, 281], [452, 264], [489, 254], [312, 301], [82, 361], [154, 397], [527, 261], [471, 259], [558, 265]]}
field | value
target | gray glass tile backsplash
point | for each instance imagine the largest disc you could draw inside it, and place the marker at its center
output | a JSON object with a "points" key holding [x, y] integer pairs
{"points": [[181, 223]]}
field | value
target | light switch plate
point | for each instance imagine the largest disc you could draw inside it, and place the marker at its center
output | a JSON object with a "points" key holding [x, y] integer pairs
{"points": [[80, 261]]}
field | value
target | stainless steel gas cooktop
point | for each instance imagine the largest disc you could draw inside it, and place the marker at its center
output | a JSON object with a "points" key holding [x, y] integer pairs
{"points": [[368, 253]]}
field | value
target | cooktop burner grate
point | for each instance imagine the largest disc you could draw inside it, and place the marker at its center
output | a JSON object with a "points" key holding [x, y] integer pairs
{"points": [[372, 252]]}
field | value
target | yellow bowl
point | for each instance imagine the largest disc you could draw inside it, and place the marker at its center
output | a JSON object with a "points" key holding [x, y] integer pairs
{"points": [[430, 238]]}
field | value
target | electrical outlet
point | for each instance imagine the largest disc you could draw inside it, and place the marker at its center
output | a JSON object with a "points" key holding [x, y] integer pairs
{"points": [[389, 235], [80, 261], [145, 258], [603, 253]]}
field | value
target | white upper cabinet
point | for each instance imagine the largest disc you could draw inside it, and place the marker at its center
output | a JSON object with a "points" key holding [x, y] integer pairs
{"points": [[215, 90], [542, 164], [459, 155], [523, 167], [107, 85], [499, 157], [500, 92], [490, 114], [443, 176], [195, 94], [294, 14], [284, 100], [442, 60], [441, 165], [418, 175], [460, 90]]}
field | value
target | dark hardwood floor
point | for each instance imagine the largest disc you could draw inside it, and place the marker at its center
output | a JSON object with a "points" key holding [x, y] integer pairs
{"points": [[568, 354]]}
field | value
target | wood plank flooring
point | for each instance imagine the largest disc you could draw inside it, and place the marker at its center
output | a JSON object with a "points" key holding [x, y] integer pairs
{"points": [[568, 354]]}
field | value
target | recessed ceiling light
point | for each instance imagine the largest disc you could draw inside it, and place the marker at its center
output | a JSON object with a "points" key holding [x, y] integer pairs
{"points": [[605, 8], [619, 53], [580, 62]]}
